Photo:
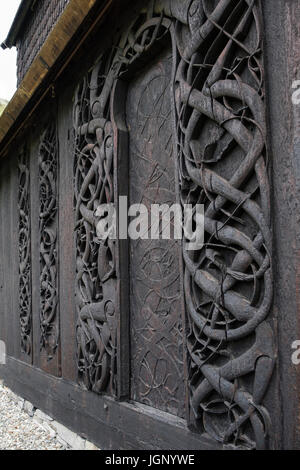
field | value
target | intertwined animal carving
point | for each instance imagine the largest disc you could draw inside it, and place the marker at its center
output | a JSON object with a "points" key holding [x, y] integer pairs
{"points": [[217, 96], [24, 254], [48, 197]]}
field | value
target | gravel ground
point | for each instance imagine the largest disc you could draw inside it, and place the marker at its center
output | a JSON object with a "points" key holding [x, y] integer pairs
{"points": [[18, 431]]}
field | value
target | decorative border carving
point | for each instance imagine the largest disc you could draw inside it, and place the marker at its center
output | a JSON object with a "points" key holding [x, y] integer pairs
{"points": [[25, 295], [218, 98], [48, 198]]}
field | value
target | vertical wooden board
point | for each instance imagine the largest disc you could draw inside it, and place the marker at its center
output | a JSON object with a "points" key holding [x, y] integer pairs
{"points": [[35, 262], [282, 41], [122, 260], [155, 304], [10, 279], [6, 255], [2, 264], [14, 266], [66, 237]]}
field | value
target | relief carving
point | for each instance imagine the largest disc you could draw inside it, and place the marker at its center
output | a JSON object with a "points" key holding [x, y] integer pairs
{"points": [[25, 299], [48, 198], [95, 260], [155, 299], [218, 103]]}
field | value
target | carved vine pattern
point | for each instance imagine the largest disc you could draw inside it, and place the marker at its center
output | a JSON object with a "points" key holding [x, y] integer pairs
{"points": [[25, 299], [48, 197], [218, 98]]}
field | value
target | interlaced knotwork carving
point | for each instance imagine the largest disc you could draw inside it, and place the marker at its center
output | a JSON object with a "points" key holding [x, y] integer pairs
{"points": [[222, 159], [218, 100], [24, 254], [48, 161], [96, 279]]}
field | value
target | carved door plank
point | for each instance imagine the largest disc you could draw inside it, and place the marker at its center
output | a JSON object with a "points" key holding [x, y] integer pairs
{"points": [[155, 307]]}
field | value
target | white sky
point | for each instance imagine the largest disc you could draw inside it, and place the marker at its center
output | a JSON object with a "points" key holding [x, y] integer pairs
{"points": [[8, 57]]}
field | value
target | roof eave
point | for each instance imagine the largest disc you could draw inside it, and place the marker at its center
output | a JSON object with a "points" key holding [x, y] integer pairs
{"points": [[35, 80], [18, 22]]}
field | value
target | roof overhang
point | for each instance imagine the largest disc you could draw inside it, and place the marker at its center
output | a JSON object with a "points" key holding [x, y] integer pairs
{"points": [[62, 37], [23, 10]]}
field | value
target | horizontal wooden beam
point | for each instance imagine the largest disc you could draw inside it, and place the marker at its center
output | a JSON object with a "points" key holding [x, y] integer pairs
{"points": [[106, 422]]}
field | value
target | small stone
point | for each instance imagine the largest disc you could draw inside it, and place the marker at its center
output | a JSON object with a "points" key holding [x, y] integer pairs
{"points": [[90, 446], [19, 431], [61, 441], [37, 420], [42, 416], [48, 429], [13, 397], [72, 439], [20, 404], [29, 408]]}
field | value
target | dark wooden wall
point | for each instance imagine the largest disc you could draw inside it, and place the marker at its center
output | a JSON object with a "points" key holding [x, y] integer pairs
{"points": [[52, 385]]}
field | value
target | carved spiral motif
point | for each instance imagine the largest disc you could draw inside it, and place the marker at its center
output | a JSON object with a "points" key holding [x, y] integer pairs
{"points": [[48, 160], [218, 98], [24, 254]]}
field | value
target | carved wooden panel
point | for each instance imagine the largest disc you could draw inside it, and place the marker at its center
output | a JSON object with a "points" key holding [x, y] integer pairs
{"points": [[25, 298], [223, 164], [95, 261], [48, 233], [155, 306], [217, 100]]}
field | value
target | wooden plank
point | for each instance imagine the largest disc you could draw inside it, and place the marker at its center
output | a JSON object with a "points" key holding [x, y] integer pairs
{"points": [[14, 264], [104, 421], [35, 259], [9, 279], [122, 255], [67, 269], [7, 253], [3, 267], [282, 46]]}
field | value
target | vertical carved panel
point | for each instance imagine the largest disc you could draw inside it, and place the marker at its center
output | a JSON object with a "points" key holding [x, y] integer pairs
{"points": [[223, 164], [24, 255], [48, 197], [95, 259], [155, 306]]}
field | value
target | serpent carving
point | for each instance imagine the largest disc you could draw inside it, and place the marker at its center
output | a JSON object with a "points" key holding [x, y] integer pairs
{"points": [[96, 279], [217, 94], [25, 298], [222, 159], [48, 161]]}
